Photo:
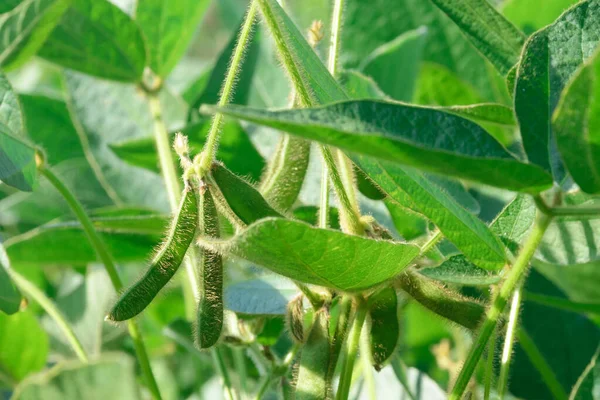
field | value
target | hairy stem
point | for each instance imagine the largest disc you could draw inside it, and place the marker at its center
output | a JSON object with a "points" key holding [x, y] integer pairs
{"points": [[36, 294], [351, 350], [509, 340], [227, 91], [489, 368], [336, 37], [513, 278], [106, 258], [219, 362]]}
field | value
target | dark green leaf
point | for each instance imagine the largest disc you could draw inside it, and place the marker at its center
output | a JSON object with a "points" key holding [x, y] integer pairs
{"points": [[23, 345], [265, 296], [385, 326], [310, 215], [168, 27], [421, 137], [410, 188], [129, 238], [382, 65], [571, 242], [243, 199], [10, 298], [70, 379], [312, 255], [359, 86], [97, 38], [493, 113], [580, 283], [459, 270], [577, 127], [212, 89], [407, 222], [233, 142], [550, 59], [8, 5], [25, 28], [493, 35]]}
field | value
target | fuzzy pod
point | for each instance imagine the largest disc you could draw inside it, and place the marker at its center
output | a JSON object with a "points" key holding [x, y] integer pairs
{"points": [[166, 262], [209, 322], [295, 318], [314, 362]]}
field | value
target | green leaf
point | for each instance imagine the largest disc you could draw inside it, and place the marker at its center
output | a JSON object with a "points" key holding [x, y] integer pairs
{"points": [[268, 295], [25, 28], [462, 228], [212, 88], [425, 138], [359, 86], [89, 101], [310, 215], [233, 142], [70, 379], [570, 242], [169, 27], [384, 327], [458, 270], [382, 65], [492, 113], [531, 15], [10, 298], [304, 66], [129, 238], [577, 126], [243, 199], [8, 5], [580, 282], [23, 345], [493, 35], [407, 222], [17, 158], [311, 255], [97, 38], [550, 59]]}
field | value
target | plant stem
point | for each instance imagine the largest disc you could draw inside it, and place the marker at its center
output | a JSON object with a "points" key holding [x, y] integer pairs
{"points": [[567, 211], [219, 362], [315, 300], [36, 294], [336, 37], [367, 364], [541, 365], [431, 243], [324, 202], [489, 368], [352, 347], [513, 320], [513, 278], [237, 58], [240, 366], [104, 255]]}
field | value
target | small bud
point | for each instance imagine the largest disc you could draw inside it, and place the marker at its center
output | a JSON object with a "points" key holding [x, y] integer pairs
{"points": [[181, 145], [315, 33], [295, 318]]}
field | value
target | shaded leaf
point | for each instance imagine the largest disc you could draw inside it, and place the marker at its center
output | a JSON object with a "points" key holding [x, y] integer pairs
{"points": [[168, 27], [457, 269], [69, 379], [580, 283], [577, 127], [23, 345], [310, 215], [268, 295], [360, 86], [25, 28], [408, 223], [385, 326], [97, 38], [382, 64], [233, 142], [421, 137], [493, 35], [10, 298], [570, 242], [313, 255], [549, 60]]}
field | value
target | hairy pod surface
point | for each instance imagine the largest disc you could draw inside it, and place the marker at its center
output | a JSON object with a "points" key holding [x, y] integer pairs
{"points": [[295, 319], [210, 304], [166, 262], [314, 361]]}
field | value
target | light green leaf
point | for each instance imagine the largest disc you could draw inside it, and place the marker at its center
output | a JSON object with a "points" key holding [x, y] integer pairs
{"points": [[25, 28], [70, 379], [311, 255], [421, 137], [493, 113], [577, 126], [23, 345], [17, 158], [408, 223], [570, 242], [550, 59], [10, 298], [406, 52], [89, 101], [233, 142], [359, 86], [531, 15], [168, 27], [97, 38], [463, 229], [493, 35], [457, 269], [129, 237], [268, 295], [384, 327]]}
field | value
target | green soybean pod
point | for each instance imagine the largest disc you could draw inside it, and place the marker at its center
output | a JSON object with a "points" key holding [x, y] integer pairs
{"points": [[209, 322], [314, 361], [166, 262], [295, 318]]}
